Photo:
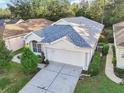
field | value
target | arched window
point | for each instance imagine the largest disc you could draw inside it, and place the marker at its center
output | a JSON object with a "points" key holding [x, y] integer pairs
{"points": [[36, 46]]}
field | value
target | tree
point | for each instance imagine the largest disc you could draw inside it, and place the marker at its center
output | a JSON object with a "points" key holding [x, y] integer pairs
{"points": [[20, 8], [93, 11], [29, 61], [51, 9], [5, 54], [114, 12], [83, 11], [97, 11], [57, 9], [5, 13]]}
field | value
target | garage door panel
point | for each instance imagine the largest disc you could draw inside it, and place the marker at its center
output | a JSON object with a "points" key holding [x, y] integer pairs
{"points": [[67, 57]]}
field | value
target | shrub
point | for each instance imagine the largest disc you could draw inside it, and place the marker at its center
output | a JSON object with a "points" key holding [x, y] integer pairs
{"points": [[95, 65], [47, 61], [109, 35], [119, 72], [5, 54], [105, 50], [114, 61], [102, 40], [29, 61], [113, 49]]}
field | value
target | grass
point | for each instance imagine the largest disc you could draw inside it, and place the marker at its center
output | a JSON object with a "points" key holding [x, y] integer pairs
{"points": [[98, 84], [4, 82], [12, 78]]}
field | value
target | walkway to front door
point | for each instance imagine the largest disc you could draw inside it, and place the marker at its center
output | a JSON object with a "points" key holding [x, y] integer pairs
{"points": [[56, 78]]}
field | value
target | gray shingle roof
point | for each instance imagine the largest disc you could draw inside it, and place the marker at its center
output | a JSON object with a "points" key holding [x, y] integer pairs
{"points": [[89, 24], [118, 30], [54, 32], [84, 34], [90, 27]]}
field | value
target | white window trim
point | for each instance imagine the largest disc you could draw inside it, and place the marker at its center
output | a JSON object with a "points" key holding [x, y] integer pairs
{"points": [[36, 47]]}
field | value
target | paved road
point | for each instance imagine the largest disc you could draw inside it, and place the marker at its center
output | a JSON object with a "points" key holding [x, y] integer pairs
{"points": [[56, 78]]}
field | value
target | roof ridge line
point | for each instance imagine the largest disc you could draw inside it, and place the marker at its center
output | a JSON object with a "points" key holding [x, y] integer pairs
{"points": [[81, 37]]}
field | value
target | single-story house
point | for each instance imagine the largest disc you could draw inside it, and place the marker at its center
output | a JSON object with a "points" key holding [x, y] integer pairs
{"points": [[14, 33], [118, 31], [69, 40]]}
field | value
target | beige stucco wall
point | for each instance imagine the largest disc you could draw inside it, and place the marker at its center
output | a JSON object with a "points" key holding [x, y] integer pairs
{"points": [[120, 59], [62, 44], [30, 37], [14, 43]]}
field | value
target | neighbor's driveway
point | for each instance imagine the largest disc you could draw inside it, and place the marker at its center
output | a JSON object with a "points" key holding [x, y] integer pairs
{"points": [[55, 78]]}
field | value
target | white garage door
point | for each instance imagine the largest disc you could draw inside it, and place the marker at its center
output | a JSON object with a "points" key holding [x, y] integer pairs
{"points": [[67, 57]]}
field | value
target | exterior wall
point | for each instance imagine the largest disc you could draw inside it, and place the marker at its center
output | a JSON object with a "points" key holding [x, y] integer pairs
{"points": [[67, 46], [120, 57], [119, 53], [14, 43], [64, 45], [30, 37]]}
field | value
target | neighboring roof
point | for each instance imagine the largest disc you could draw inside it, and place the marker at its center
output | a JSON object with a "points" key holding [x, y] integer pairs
{"points": [[1, 22], [85, 32], [11, 21], [1, 25], [119, 33], [24, 27]]}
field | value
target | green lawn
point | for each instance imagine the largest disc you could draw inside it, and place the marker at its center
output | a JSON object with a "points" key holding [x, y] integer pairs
{"points": [[98, 84], [12, 78]]}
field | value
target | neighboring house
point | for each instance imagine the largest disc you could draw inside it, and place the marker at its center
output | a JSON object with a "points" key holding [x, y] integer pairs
{"points": [[118, 31], [1, 27], [13, 21], [14, 33], [1, 24], [69, 40]]}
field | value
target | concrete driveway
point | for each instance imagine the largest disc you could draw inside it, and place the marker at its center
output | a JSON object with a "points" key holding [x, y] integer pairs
{"points": [[55, 78]]}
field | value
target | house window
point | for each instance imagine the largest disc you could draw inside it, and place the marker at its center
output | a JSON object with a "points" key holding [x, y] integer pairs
{"points": [[36, 46]]}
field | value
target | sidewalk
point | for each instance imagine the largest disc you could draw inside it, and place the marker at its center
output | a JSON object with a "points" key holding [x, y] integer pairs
{"points": [[109, 69]]}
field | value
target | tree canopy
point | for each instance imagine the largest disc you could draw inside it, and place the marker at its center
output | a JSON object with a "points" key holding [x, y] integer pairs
{"points": [[50, 9], [5, 13], [104, 11]]}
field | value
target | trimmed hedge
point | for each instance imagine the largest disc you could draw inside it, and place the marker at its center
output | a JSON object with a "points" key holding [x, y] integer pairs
{"points": [[119, 72], [105, 49], [94, 67], [114, 61], [113, 49]]}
